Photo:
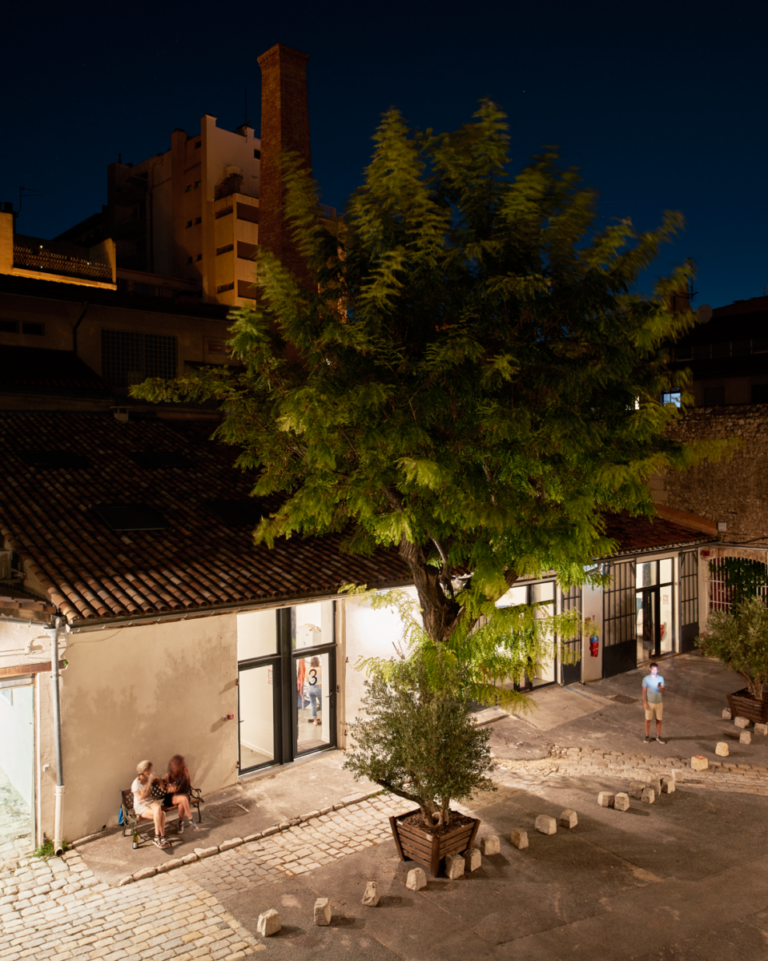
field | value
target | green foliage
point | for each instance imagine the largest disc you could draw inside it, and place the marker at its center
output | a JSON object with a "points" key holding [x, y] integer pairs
{"points": [[740, 640], [45, 850], [418, 740], [463, 382], [743, 577]]}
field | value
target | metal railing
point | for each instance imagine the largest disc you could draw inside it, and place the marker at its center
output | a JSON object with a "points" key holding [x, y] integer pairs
{"points": [[46, 261]]}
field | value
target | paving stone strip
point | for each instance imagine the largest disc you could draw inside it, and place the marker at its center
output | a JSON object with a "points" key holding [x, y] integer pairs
{"points": [[58, 909], [578, 762]]}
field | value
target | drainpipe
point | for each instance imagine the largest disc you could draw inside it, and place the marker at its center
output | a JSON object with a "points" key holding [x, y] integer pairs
{"points": [[53, 633], [74, 329]]}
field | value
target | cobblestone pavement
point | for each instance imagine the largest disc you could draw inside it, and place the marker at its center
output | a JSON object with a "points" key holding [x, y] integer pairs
{"points": [[580, 762], [58, 909]]}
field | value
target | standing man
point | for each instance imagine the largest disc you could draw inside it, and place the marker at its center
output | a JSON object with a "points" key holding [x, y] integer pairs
{"points": [[653, 685]]}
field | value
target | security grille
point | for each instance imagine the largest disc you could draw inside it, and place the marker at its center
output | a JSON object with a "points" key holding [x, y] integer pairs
{"points": [[619, 613], [129, 358], [689, 588]]}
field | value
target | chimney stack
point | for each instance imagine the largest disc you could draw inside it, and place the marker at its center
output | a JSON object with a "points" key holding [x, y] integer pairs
{"points": [[284, 127]]}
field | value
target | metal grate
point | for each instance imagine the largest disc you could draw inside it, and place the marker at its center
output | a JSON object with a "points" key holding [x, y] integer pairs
{"points": [[129, 358], [689, 588], [719, 594], [571, 601], [49, 262], [619, 618]]}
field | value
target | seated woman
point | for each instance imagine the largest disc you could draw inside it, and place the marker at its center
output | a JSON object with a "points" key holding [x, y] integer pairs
{"points": [[146, 806], [179, 787]]}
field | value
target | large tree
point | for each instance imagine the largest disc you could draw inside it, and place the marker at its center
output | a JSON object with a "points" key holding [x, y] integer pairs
{"points": [[473, 380]]}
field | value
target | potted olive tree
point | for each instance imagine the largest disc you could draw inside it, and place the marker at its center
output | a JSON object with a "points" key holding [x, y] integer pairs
{"points": [[739, 638], [417, 737], [421, 743]]}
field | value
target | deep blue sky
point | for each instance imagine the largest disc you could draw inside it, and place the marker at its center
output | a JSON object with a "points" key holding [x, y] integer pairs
{"points": [[660, 105]]}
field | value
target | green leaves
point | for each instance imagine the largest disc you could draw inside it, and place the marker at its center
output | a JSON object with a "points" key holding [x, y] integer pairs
{"points": [[470, 377], [740, 640]]}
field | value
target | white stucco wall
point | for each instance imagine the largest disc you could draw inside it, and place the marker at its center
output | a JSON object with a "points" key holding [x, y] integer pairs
{"points": [[132, 693]]}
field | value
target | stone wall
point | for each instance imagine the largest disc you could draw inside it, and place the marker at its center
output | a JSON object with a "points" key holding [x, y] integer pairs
{"points": [[734, 491]]}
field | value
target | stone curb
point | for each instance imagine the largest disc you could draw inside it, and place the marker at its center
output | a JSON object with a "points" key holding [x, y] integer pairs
{"points": [[228, 845]]}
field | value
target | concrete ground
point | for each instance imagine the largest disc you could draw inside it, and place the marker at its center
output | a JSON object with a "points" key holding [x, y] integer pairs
{"points": [[683, 879]]}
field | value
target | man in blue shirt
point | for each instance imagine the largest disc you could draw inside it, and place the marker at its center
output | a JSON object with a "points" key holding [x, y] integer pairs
{"points": [[653, 685]]}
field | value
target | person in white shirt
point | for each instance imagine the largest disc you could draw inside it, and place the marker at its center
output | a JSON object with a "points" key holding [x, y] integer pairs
{"points": [[146, 806]]}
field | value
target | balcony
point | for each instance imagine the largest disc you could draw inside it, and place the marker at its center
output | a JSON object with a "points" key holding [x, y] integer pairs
{"points": [[51, 262]]}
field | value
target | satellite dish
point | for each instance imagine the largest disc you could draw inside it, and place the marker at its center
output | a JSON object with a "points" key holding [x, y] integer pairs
{"points": [[704, 313]]}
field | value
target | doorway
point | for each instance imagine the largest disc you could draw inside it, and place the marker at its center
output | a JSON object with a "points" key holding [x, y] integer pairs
{"points": [[17, 760], [654, 601], [286, 684]]}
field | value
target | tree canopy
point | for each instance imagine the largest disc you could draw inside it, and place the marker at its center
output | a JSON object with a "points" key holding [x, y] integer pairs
{"points": [[473, 381]]}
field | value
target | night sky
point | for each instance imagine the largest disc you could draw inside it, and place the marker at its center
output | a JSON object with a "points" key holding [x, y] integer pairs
{"points": [[660, 105]]}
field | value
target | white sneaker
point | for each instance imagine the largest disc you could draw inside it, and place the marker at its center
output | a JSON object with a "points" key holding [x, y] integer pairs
{"points": [[191, 825]]}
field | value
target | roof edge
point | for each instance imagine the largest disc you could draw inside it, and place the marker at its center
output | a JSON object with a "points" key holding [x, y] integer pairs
{"points": [[685, 519]]}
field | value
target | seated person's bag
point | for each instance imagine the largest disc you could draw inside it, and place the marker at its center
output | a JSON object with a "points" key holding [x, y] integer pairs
{"points": [[157, 791]]}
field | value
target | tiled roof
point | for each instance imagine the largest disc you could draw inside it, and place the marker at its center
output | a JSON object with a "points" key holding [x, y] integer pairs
{"points": [[638, 534], [33, 368], [89, 571], [196, 563]]}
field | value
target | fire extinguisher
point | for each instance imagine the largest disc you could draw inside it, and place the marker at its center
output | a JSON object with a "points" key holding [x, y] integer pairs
{"points": [[593, 645]]}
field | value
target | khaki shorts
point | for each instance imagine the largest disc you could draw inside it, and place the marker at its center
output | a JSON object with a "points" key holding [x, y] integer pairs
{"points": [[654, 710]]}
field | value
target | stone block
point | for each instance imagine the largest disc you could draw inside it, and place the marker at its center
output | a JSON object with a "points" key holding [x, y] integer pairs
{"points": [[270, 831], [454, 866], [648, 795], [472, 859], [655, 783], [546, 824], [309, 816], [621, 801], [741, 722], [636, 788], [323, 911], [605, 799], [726, 715], [721, 749], [371, 897], [490, 845], [232, 843], [127, 880], [416, 879], [252, 837], [699, 762], [519, 839], [206, 852], [568, 818], [668, 785], [145, 873], [268, 923], [761, 729], [189, 858], [745, 737]]}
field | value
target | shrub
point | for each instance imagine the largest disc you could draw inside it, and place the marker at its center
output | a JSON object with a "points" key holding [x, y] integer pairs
{"points": [[740, 640]]}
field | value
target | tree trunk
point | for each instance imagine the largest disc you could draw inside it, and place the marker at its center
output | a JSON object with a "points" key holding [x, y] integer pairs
{"points": [[439, 611]]}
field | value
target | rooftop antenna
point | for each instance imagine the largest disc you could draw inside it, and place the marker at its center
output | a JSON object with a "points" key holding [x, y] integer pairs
{"points": [[26, 192]]}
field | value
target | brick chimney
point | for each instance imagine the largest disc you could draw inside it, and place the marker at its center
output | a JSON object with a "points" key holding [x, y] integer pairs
{"points": [[284, 127]]}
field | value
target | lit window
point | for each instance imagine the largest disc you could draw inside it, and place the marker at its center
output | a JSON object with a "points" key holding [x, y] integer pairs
{"points": [[672, 397]]}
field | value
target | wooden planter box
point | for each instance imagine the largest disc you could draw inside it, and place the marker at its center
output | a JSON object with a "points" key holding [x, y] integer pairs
{"points": [[742, 704], [428, 850]]}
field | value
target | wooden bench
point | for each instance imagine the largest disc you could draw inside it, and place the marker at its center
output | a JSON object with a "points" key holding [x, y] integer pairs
{"points": [[131, 820]]}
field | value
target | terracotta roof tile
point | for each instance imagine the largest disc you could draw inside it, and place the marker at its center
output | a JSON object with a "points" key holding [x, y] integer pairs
{"points": [[90, 571]]}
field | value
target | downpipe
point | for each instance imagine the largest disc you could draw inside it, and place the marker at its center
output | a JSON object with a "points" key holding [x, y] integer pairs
{"points": [[53, 633]]}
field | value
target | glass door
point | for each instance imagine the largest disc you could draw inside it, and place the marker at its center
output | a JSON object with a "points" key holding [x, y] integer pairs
{"points": [[315, 701], [258, 714], [655, 609]]}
